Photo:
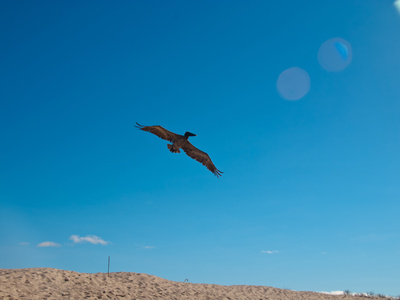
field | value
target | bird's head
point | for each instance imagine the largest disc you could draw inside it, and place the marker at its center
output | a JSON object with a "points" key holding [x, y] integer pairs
{"points": [[187, 134]]}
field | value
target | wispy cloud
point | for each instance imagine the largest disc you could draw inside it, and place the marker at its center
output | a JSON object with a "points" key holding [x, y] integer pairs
{"points": [[93, 239], [49, 244], [270, 251], [148, 247], [24, 244]]}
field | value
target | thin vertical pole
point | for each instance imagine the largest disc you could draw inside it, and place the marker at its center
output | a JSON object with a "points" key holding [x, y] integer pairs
{"points": [[108, 267]]}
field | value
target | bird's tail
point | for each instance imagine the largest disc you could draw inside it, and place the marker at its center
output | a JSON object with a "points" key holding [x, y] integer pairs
{"points": [[172, 149]]}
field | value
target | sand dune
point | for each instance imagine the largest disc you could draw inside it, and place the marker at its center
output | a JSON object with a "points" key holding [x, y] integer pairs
{"points": [[46, 283]]}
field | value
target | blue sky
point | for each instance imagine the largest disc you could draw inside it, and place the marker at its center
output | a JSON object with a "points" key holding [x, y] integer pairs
{"points": [[309, 198]]}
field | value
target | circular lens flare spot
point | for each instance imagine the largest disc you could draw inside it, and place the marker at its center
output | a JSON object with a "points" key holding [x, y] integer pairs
{"points": [[293, 83], [397, 5], [335, 55]]}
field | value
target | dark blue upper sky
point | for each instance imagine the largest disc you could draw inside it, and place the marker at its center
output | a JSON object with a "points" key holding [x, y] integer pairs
{"points": [[309, 198]]}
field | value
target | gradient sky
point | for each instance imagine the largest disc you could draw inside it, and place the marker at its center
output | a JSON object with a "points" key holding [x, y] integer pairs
{"points": [[310, 195]]}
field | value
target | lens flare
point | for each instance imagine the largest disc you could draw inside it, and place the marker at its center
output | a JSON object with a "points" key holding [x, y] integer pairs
{"points": [[397, 5], [293, 83], [344, 52], [335, 55]]}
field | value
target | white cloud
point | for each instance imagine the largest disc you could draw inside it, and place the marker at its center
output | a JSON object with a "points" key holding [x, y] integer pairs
{"points": [[93, 239], [148, 247], [270, 251], [49, 244]]}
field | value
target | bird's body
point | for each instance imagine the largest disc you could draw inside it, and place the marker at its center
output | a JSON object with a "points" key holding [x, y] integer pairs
{"points": [[182, 142]]}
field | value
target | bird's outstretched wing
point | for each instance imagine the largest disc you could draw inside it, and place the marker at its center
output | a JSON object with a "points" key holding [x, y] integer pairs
{"points": [[201, 157], [159, 131]]}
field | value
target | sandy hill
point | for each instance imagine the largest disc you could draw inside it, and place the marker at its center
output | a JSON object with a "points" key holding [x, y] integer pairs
{"points": [[46, 283]]}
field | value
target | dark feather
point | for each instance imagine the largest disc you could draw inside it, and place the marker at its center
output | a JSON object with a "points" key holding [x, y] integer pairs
{"points": [[159, 131], [201, 157]]}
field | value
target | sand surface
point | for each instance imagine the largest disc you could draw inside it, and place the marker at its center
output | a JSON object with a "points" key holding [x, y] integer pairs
{"points": [[46, 283]]}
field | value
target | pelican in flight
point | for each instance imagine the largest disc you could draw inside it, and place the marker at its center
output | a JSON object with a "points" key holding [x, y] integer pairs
{"points": [[181, 142]]}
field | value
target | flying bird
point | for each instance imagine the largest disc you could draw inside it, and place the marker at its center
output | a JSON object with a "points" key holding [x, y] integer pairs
{"points": [[181, 142]]}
